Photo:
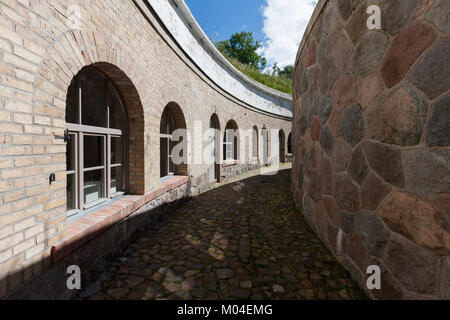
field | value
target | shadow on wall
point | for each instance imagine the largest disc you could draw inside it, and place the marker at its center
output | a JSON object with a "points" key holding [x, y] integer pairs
{"points": [[96, 255], [371, 128]]}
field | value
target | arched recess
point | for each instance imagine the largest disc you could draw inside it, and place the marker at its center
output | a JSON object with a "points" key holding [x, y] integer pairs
{"points": [[265, 145], [231, 141], [282, 146], [64, 59], [173, 142], [255, 142], [136, 127], [214, 165], [289, 144]]}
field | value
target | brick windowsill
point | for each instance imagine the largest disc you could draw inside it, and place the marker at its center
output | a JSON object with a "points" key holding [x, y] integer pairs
{"points": [[229, 163], [82, 230]]}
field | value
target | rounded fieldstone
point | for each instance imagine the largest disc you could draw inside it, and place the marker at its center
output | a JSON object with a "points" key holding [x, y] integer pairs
{"points": [[358, 252], [369, 87], [438, 15], [431, 73], [397, 117], [369, 52], [321, 55], [330, 17], [358, 169], [438, 129], [347, 222], [342, 154], [404, 50], [347, 193], [397, 14], [333, 37], [328, 75], [345, 8], [373, 192], [324, 104], [373, 232], [352, 127], [386, 161], [315, 186], [427, 171], [418, 221], [315, 129], [327, 140], [334, 214], [326, 175], [357, 25], [344, 91], [300, 177], [414, 267], [307, 80], [343, 52], [310, 54]]}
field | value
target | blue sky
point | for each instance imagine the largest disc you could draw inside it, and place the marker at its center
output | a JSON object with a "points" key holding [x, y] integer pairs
{"points": [[278, 24], [225, 17]]}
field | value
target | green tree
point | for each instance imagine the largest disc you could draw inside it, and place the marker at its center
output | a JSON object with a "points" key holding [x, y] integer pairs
{"points": [[287, 71], [242, 47]]}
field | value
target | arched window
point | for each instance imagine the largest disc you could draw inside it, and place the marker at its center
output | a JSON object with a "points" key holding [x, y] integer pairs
{"points": [[289, 144], [96, 141], [167, 143], [282, 147], [171, 162], [230, 141], [265, 145], [255, 141]]}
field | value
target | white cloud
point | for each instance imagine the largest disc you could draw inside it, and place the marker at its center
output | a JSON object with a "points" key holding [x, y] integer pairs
{"points": [[285, 22]]}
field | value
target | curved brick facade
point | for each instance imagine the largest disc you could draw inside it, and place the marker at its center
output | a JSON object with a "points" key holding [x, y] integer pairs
{"points": [[371, 133], [39, 56]]}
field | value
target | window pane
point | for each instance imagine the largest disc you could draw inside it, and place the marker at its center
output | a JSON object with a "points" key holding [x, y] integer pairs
{"points": [[116, 116], [72, 102], [71, 192], [93, 98], [116, 150], [116, 180], [71, 153], [93, 151], [93, 186]]}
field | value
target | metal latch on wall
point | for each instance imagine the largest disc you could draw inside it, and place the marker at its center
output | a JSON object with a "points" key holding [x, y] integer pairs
{"points": [[66, 136]]}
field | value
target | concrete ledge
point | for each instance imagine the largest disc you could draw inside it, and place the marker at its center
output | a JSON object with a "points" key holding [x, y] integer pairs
{"points": [[85, 229]]}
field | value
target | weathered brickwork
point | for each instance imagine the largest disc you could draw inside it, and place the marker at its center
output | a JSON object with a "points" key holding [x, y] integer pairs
{"points": [[39, 57], [371, 168]]}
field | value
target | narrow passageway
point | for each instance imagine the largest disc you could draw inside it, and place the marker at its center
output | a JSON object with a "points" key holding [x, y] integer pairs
{"points": [[243, 240]]}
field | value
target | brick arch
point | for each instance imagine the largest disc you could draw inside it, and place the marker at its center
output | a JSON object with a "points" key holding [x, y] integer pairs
{"points": [[75, 50], [174, 97], [180, 123]]}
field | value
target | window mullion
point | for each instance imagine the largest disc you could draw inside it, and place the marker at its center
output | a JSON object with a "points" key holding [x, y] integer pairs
{"points": [[80, 171], [108, 166]]}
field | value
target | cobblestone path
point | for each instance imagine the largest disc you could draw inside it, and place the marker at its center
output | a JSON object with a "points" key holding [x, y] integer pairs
{"points": [[244, 240]]}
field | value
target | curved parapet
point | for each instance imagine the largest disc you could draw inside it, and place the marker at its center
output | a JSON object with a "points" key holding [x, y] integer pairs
{"points": [[177, 18], [371, 134]]}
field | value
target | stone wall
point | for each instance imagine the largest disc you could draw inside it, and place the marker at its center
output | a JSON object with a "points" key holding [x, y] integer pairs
{"points": [[40, 53], [371, 169]]}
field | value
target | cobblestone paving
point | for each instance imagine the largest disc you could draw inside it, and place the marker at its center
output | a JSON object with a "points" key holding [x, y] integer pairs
{"points": [[244, 240]]}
